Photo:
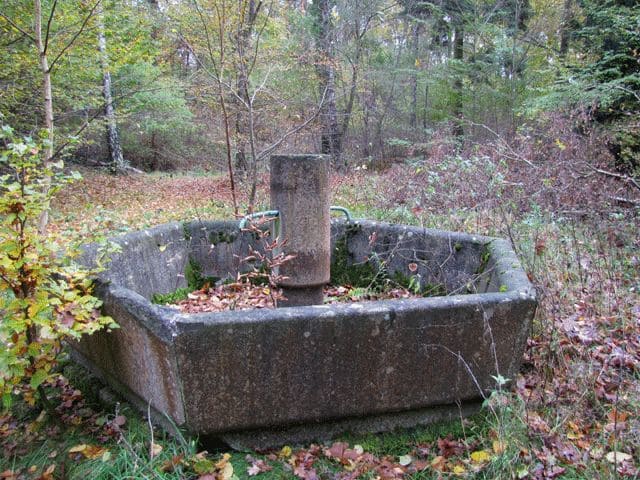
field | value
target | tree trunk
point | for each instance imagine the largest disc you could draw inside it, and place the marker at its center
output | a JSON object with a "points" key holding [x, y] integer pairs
{"points": [[47, 101], [565, 31], [425, 108], [248, 13], [116, 160], [458, 54], [413, 79], [331, 141]]}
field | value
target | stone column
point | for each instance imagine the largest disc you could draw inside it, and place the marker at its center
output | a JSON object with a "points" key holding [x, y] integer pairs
{"points": [[300, 192]]}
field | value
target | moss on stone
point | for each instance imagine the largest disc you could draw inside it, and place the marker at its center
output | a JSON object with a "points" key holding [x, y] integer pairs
{"points": [[186, 230], [171, 297], [345, 270], [221, 236], [193, 276]]}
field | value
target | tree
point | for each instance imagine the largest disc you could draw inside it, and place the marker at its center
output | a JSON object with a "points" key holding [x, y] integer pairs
{"points": [[41, 38], [116, 160], [45, 298], [325, 63]]}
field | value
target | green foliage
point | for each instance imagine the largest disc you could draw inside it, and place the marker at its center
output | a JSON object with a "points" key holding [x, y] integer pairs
{"points": [[171, 297], [604, 78], [45, 297], [345, 271], [195, 279], [75, 75], [372, 274], [157, 126]]}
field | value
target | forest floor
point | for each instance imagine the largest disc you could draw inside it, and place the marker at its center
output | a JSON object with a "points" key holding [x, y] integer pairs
{"points": [[573, 411]]}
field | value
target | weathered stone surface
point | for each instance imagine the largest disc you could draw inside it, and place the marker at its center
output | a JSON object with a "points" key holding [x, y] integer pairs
{"points": [[274, 370], [300, 192]]}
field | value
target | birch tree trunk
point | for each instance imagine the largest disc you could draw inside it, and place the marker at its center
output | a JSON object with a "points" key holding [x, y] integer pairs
{"points": [[47, 97], [117, 163]]}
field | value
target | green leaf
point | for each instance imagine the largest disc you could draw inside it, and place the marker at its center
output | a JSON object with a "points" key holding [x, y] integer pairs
{"points": [[38, 377], [7, 400]]}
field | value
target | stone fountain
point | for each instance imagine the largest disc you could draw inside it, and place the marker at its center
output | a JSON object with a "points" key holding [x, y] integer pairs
{"points": [[310, 371]]}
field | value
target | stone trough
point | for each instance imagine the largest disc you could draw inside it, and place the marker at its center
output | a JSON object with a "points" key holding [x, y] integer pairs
{"points": [[269, 376]]}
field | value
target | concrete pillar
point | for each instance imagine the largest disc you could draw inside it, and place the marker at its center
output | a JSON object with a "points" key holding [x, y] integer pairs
{"points": [[300, 192]]}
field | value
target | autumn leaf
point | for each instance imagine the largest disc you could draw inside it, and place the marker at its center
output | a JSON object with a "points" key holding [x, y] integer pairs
{"points": [[498, 446], [285, 452], [48, 473], [439, 463], [257, 466], [120, 420], [480, 456], [170, 465], [77, 448], [618, 457], [155, 449], [88, 451]]}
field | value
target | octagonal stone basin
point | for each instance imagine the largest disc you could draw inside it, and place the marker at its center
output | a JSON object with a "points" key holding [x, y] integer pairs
{"points": [[294, 374]]}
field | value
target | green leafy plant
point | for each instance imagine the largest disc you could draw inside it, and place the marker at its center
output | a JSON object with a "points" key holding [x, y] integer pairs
{"points": [[45, 297]]}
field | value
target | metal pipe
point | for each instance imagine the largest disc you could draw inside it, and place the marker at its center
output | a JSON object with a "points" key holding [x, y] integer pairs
{"points": [[265, 213], [343, 210]]}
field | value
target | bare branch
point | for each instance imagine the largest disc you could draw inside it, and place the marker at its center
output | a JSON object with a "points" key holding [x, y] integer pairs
{"points": [[49, 22], [293, 130], [624, 178], [512, 154], [208, 38]]}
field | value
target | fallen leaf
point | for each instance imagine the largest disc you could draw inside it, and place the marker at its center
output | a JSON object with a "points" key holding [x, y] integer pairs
{"points": [[77, 448], [48, 473], [285, 452], [155, 449], [459, 469], [93, 451], [618, 457], [405, 460], [170, 465], [439, 463], [120, 420], [480, 456]]}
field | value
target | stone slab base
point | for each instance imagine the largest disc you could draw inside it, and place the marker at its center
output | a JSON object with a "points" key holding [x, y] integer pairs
{"points": [[325, 431]]}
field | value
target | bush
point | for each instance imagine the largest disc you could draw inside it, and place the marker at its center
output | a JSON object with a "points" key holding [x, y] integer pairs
{"points": [[45, 297]]}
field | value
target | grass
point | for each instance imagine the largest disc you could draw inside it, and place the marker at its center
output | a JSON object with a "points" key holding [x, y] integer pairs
{"points": [[575, 401]]}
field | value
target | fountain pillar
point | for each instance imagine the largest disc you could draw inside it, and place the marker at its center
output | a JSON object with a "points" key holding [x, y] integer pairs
{"points": [[300, 192]]}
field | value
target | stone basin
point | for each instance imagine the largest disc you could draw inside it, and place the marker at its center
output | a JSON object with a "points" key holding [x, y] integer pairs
{"points": [[269, 376]]}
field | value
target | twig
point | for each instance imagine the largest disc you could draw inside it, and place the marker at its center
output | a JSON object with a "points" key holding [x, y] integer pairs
{"points": [[623, 200], [151, 443], [624, 178], [134, 454]]}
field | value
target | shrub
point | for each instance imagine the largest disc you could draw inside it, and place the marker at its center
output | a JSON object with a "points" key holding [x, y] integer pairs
{"points": [[45, 297]]}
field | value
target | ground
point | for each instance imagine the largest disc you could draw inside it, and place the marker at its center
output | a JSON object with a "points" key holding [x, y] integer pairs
{"points": [[572, 412]]}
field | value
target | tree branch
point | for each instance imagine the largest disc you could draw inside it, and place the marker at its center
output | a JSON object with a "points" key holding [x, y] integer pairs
{"points": [[49, 22], [266, 151], [624, 178], [14, 25], [75, 36]]}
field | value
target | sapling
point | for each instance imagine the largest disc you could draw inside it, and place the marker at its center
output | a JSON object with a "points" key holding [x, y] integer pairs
{"points": [[45, 297]]}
